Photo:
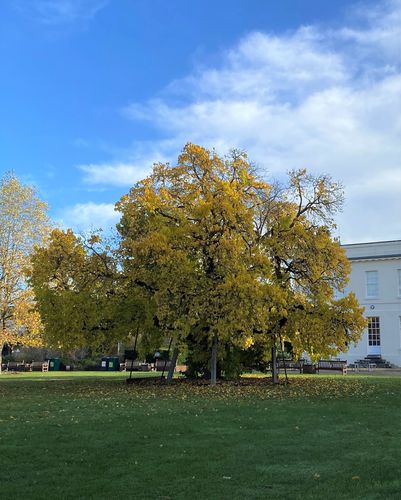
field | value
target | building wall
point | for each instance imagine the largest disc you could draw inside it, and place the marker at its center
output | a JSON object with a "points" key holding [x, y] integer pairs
{"points": [[385, 258]]}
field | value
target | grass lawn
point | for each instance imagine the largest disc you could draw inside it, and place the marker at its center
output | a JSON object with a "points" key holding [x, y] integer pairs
{"points": [[76, 435]]}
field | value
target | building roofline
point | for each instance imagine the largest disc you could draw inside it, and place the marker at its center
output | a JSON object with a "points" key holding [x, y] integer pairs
{"points": [[376, 257], [369, 243]]}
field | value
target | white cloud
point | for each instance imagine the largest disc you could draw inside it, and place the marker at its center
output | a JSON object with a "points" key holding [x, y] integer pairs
{"points": [[116, 174], [125, 174], [381, 32], [89, 216], [328, 100], [269, 66], [59, 12]]}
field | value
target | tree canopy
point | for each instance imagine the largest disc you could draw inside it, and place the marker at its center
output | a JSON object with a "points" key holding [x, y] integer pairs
{"points": [[214, 258], [295, 228], [81, 295], [23, 224], [188, 235]]}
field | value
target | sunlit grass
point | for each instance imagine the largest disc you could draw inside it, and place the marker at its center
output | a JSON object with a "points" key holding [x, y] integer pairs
{"points": [[74, 375], [83, 435]]}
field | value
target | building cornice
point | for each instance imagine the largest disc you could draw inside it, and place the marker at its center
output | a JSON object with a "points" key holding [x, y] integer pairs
{"points": [[370, 243], [377, 257]]}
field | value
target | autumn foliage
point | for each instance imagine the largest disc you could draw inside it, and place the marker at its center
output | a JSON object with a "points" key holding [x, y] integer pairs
{"points": [[212, 257], [23, 223]]}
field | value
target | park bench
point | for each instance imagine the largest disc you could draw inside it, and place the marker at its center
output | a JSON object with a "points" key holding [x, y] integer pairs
{"points": [[14, 366], [289, 364], [136, 366], [161, 365], [363, 365], [334, 365], [40, 366]]}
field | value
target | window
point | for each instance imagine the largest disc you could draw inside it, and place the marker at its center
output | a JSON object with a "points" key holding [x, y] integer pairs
{"points": [[372, 284], [400, 331], [374, 330], [399, 281]]}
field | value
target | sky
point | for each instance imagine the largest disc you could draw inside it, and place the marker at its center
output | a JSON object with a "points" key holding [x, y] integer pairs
{"points": [[92, 92]]}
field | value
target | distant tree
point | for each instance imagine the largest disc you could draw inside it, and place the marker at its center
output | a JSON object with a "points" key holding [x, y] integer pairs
{"points": [[81, 295], [23, 224], [294, 227]]}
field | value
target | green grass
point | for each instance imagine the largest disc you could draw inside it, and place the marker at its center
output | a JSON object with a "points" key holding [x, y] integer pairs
{"points": [[79, 436], [18, 376]]}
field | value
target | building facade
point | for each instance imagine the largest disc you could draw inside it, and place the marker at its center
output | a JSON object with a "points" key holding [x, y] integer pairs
{"points": [[376, 281]]}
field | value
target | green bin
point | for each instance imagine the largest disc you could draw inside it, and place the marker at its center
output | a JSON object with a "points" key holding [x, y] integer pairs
{"points": [[54, 364], [113, 364], [104, 365]]}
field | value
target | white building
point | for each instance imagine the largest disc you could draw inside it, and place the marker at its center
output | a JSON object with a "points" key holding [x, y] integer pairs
{"points": [[376, 281]]}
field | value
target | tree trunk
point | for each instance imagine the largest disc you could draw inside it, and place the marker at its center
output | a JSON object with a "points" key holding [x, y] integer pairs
{"points": [[171, 369], [274, 363], [1, 356], [284, 363], [213, 362]]}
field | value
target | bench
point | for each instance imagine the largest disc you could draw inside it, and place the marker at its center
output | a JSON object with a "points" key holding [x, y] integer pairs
{"points": [[161, 365], [289, 364], [333, 365], [40, 366], [136, 366], [14, 366], [360, 365]]}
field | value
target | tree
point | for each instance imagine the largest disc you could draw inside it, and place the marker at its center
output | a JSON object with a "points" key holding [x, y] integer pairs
{"points": [[23, 224], [188, 239], [81, 295], [235, 262], [294, 227], [211, 258]]}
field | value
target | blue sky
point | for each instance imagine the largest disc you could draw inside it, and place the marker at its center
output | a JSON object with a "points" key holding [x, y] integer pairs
{"points": [[92, 92]]}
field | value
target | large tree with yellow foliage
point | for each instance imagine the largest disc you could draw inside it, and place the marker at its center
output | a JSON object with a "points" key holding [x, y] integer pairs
{"points": [[188, 238], [211, 256], [232, 261], [23, 224]]}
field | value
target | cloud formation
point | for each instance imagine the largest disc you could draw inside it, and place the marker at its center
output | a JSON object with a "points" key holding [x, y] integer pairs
{"points": [[89, 216], [136, 165], [61, 12], [113, 174], [321, 98]]}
